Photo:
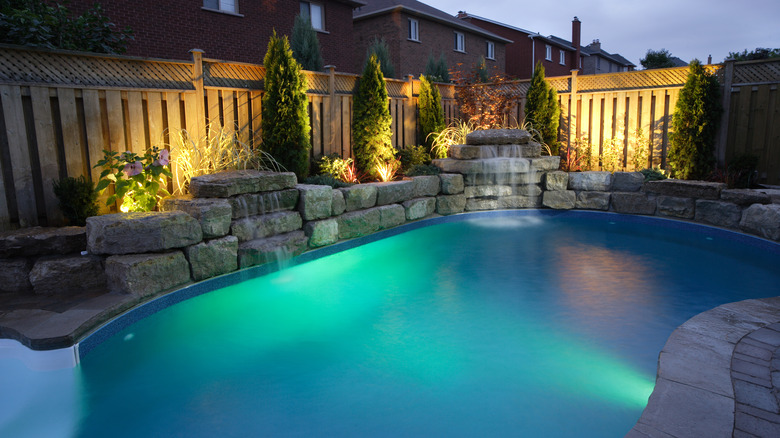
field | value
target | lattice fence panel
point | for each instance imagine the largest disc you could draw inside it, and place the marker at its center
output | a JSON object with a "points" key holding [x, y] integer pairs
{"points": [[447, 91], [656, 78], [346, 84], [33, 67], [396, 88], [317, 83], [765, 72], [561, 84], [226, 75]]}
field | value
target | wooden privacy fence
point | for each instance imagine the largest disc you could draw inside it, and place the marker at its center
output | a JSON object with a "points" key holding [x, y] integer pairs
{"points": [[59, 110]]}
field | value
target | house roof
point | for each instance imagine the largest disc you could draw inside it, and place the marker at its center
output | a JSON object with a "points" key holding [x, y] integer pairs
{"points": [[497, 23], [678, 62], [353, 3], [614, 57], [413, 7]]}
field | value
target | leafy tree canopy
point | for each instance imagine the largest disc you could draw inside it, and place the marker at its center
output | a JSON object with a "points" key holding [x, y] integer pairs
{"points": [[758, 53], [657, 59], [34, 23]]}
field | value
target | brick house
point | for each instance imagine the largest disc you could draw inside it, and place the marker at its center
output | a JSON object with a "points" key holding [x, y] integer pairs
{"points": [[558, 56], [414, 31], [231, 30], [600, 61]]}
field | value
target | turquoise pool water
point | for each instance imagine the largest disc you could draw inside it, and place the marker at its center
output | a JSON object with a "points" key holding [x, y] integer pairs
{"points": [[519, 324]]}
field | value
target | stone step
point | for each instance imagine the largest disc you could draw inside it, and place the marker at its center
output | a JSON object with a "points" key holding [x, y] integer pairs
{"points": [[141, 232], [483, 166], [237, 182], [498, 136], [266, 225], [272, 249], [470, 152]]}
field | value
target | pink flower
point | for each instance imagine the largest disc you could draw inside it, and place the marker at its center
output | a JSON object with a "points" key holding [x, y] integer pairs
{"points": [[132, 169], [163, 159]]}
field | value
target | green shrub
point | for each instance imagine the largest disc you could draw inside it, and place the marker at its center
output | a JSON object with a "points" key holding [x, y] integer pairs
{"points": [[436, 69], [481, 71], [371, 134], [431, 112], [423, 169], [305, 45], [695, 124], [379, 49], [326, 180], [77, 198], [412, 156], [454, 134], [285, 120], [654, 174], [542, 109]]}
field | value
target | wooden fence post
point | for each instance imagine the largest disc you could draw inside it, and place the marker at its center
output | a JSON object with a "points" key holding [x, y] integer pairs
{"points": [[200, 106], [573, 134], [330, 145], [720, 143], [410, 116]]}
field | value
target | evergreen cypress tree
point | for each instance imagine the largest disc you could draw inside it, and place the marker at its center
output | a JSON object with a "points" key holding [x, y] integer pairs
{"points": [[431, 112], [542, 109], [379, 49], [695, 124], [285, 122], [481, 71], [436, 69], [371, 134], [305, 45]]}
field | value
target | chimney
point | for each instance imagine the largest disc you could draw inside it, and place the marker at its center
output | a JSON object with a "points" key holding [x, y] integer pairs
{"points": [[462, 14], [709, 60], [595, 45], [575, 41]]}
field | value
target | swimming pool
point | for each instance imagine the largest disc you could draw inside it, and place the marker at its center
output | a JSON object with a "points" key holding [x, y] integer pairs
{"points": [[517, 323]]}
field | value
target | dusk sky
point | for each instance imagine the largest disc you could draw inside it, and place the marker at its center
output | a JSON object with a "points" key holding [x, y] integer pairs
{"points": [[686, 28]]}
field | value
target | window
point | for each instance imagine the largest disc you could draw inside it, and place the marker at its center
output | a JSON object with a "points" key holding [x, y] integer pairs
{"points": [[491, 50], [414, 30], [563, 58], [460, 42], [221, 5], [548, 55], [598, 63], [314, 11]]}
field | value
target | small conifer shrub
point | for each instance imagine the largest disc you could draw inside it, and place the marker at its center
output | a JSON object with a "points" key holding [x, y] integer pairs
{"points": [[371, 133], [305, 45], [285, 122], [77, 198], [431, 112], [379, 49], [542, 109]]}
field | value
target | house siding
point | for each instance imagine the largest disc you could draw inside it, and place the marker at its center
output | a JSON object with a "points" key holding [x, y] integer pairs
{"points": [[170, 29]]}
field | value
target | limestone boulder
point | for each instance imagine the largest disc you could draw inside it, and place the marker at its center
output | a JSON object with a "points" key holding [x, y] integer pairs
{"points": [[685, 189], [141, 232], [498, 136], [519, 201], [251, 204], [556, 180], [266, 225], [546, 163], [762, 220], [721, 214], [15, 275], [673, 206], [68, 275], [359, 223], [530, 190], [213, 214], [315, 202], [450, 204], [419, 208], [426, 185], [590, 181], [394, 192], [744, 197], [593, 200], [627, 181], [278, 249], [359, 196], [391, 216], [322, 233], [559, 200], [212, 258], [38, 241], [451, 183], [338, 204], [487, 191], [484, 166], [146, 275], [480, 204], [633, 203], [237, 182]]}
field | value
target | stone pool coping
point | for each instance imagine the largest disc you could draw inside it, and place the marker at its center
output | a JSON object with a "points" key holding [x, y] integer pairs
{"points": [[694, 393]]}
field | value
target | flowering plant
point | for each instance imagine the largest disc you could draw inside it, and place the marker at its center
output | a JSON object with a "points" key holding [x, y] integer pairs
{"points": [[139, 181]]}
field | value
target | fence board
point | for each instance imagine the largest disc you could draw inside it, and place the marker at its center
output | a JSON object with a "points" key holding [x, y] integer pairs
{"points": [[20, 159], [173, 110], [71, 132], [257, 111], [5, 217], [596, 123], [316, 125], [645, 119], [772, 161], [228, 111], [742, 120], [212, 109], [46, 138], [410, 124], [243, 116], [96, 139], [337, 125], [155, 113], [191, 122], [116, 121], [135, 113], [346, 127], [325, 113], [759, 118]]}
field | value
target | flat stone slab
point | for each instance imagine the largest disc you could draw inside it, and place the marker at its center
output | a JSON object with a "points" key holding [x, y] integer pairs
{"points": [[419, 208], [276, 249], [394, 192], [359, 196], [68, 275], [37, 241], [322, 233], [236, 182], [141, 232], [251, 204], [450, 204], [590, 181], [484, 166], [763, 220], [391, 216], [213, 258], [470, 152], [315, 201], [15, 275], [673, 206], [719, 213], [633, 203], [359, 223], [426, 185], [451, 183], [627, 181], [685, 189], [544, 164], [266, 225], [213, 214], [498, 136], [744, 197], [146, 275], [560, 200]]}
